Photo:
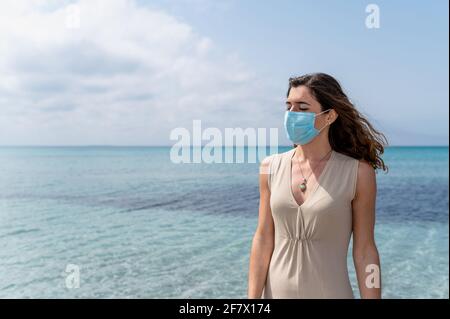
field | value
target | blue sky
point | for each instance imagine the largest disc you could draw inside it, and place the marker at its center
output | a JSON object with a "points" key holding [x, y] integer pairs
{"points": [[134, 70]]}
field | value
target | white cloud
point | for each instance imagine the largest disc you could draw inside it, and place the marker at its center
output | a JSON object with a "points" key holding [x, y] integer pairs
{"points": [[127, 75]]}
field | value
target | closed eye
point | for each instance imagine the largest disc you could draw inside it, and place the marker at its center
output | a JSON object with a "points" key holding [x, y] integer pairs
{"points": [[302, 106], [288, 108]]}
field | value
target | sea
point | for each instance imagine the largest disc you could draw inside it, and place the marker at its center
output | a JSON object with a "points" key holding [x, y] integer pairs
{"points": [[130, 222]]}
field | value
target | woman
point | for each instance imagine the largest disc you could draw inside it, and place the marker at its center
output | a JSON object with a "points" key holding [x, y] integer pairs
{"points": [[315, 196]]}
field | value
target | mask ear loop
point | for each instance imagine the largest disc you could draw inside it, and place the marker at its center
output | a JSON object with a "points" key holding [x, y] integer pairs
{"points": [[328, 123]]}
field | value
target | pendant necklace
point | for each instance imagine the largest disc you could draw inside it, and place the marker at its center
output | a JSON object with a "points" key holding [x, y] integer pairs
{"points": [[302, 185]]}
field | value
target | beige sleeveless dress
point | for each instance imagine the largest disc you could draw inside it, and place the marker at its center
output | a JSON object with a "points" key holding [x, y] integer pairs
{"points": [[309, 259]]}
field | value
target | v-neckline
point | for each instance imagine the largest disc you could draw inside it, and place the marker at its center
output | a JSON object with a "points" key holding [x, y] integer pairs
{"points": [[318, 179]]}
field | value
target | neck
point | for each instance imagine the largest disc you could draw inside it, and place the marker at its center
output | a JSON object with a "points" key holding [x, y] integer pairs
{"points": [[312, 152]]}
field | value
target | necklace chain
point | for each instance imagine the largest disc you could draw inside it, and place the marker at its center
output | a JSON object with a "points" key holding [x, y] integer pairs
{"points": [[302, 186]]}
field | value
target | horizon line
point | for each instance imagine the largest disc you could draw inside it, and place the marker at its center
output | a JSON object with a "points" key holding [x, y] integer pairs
{"points": [[164, 145]]}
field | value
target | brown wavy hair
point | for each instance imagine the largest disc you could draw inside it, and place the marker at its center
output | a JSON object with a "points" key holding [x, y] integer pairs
{"points": [[351, 133]]}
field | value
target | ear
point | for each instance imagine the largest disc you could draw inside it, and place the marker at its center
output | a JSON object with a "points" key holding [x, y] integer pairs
{"points": [[332, 116]]}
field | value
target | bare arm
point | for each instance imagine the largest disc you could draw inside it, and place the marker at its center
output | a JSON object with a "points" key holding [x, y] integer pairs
{"points": [[263, 240], [365, 253]]}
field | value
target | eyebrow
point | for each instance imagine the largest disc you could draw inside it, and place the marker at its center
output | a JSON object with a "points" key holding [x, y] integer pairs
{"points": [[300, 102]]}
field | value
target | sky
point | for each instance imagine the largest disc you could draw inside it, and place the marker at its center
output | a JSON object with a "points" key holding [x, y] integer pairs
{"points": [[123, 72]]}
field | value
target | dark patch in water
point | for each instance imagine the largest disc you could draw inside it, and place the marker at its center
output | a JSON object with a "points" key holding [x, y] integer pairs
{"points": [[20, 232]]}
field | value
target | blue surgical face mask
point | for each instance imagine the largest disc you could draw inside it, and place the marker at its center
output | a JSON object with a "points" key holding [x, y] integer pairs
{"points": [[299, 126]]}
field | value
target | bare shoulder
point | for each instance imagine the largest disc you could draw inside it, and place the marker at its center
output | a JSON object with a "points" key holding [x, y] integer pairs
{"points": [[268, 159], [265, 163], [365, 171], [366, 181]]}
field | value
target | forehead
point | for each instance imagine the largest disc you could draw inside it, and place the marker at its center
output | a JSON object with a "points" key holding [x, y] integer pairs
{"points": [[299, 93]]}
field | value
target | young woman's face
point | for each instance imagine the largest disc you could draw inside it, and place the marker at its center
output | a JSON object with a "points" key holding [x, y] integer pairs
{"points": [[301, 100]]}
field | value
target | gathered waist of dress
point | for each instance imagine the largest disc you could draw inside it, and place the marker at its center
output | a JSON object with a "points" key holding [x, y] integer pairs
{"points": [[300, 237]]}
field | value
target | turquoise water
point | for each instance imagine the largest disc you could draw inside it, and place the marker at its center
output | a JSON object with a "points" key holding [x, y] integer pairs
{"points": [[139, 226]]}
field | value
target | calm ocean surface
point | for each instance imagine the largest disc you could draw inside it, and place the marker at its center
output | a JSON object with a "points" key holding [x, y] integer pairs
{"points": [[139, 226]]}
